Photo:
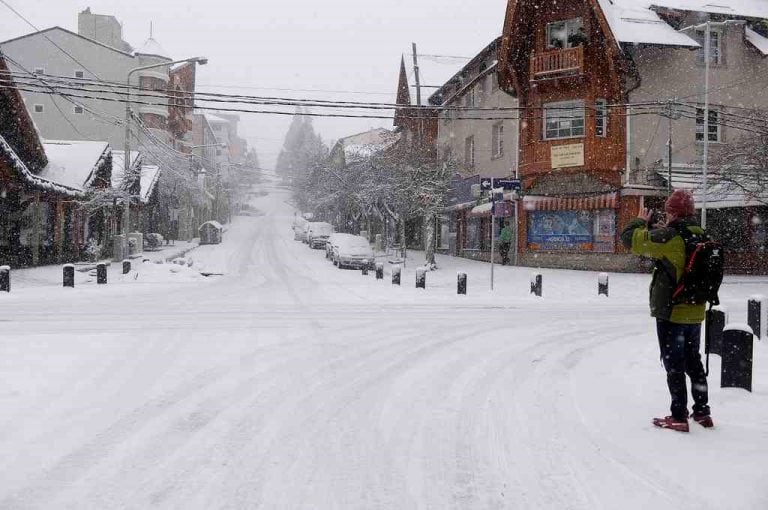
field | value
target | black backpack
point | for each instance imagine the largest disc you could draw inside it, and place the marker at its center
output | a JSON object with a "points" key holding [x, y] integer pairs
{"points": [[703, 272]]}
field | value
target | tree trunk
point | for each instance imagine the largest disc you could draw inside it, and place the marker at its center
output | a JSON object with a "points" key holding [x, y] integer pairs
{"points": [[429, 240], [401, 226]]}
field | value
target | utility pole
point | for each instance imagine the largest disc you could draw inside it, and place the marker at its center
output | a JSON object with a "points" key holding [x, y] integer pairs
{"points": [[671, 112], [416, 73]]}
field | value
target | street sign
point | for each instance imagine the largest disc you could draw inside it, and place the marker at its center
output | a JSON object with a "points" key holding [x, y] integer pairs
{"points": [[487, 183], [508, 184]]}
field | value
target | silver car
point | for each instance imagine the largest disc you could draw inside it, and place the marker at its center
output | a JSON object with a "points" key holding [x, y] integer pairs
{"points": [[354, 252]]}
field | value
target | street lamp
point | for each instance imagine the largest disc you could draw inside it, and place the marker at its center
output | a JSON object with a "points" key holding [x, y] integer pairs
{"points": [[127, 157], [707, 49]]}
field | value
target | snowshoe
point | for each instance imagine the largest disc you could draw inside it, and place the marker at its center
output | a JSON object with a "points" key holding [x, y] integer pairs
{"points": [[668, 422], [704, 420]]}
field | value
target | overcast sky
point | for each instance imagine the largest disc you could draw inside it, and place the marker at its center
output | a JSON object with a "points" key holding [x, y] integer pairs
{"points": [[339, 45]]}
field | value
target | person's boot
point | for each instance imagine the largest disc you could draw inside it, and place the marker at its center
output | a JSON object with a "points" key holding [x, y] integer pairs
{"points": [[669, 422], [704, 420]]}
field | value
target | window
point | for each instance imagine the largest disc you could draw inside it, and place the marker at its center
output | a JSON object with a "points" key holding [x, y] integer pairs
{"points": [[469, 151], [565, 34], [715, 133], [79, 74], [483, 84], [497, 140], [39, 70], [715, 55], [563, 120], [39, 108], [601, 117], [78, 110]]}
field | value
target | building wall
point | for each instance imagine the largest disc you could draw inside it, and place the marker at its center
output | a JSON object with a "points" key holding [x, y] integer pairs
{"points": [[453, 132], [35, 51], [102, 28], [742, 65]]}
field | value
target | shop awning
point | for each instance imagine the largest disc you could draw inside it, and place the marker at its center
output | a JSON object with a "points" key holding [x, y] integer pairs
{"points": [[541, 203], [481, 210]]}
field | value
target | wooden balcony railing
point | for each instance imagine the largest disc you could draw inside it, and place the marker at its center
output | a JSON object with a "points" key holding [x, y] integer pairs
{"points": [[557, 61]]}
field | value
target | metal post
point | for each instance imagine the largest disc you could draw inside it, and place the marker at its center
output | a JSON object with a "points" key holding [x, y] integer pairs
{"points": [[68, 271], [713, 330], [126, 266], [755, 315], [493, 233], [101, 274], [602, 284], [421, 278], [396, 274], [736, 368], [5, 278], [379, 271], [536, 284], [461, 287]]}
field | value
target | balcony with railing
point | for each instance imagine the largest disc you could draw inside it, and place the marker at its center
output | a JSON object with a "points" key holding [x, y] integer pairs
{"points": [[557, 62]]}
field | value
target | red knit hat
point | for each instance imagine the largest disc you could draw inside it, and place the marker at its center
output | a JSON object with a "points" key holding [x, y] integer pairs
{"points": [[680, 203]]}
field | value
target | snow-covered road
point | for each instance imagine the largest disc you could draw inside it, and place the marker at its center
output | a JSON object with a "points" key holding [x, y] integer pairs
{"points": [[287, 383]]}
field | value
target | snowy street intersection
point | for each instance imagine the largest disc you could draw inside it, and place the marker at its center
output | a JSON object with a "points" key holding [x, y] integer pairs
{"points": [[288, 383]]}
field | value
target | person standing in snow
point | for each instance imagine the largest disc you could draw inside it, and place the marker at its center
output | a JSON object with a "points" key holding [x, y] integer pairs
{"points": [[505, 241], [678, 326]]}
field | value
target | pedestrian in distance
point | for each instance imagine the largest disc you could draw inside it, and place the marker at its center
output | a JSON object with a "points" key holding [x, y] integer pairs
{"points": [[678, 324], [505, 241]]}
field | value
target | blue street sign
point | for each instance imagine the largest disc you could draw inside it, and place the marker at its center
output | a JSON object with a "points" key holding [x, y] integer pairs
{"points": [[508, 184], [488, 183]]}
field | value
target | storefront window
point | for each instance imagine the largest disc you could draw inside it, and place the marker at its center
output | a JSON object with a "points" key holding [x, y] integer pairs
{"points": [[590, 231]]}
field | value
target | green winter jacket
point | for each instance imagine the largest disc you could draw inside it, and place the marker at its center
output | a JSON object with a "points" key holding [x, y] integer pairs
{"points": [[667, 247], [506, 235]]}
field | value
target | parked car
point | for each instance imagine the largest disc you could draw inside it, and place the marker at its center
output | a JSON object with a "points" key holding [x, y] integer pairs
{"points": [[299, 228], [333, 240], [354, 252], [317, 233]]}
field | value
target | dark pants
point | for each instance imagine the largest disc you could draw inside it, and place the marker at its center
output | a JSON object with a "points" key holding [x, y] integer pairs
{"points": [[504, 251], [679, 345]]}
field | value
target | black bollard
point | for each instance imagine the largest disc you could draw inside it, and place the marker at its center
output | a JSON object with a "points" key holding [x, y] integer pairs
{"points": [[396, 274], [536, 284], [379, 271], [461, 286], [126, 266], [755, 315], [101, 274], [602, 284], [365, 268], [69, 275], [5, 278], [713, 330], [736, 369], [421, 278]]}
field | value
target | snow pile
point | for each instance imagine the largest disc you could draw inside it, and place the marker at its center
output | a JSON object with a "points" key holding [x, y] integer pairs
{"points": [[149, 272]]}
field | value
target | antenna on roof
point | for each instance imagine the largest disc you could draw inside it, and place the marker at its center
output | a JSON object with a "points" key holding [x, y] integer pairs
{"points": [[150, 29]]}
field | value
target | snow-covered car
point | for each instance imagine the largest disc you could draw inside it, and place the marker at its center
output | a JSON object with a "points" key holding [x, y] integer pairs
{"points": [[333, 240], [354, 252], [318, 233], [299, 228]]}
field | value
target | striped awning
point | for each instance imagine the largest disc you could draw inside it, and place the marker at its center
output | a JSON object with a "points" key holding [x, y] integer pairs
{"points": [[540, 203]]}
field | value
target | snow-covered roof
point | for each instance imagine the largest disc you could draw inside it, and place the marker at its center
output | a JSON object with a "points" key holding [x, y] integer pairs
{"points": [[36, 180], [118, 167], [153, 48], [73, 164], [720, 194], [364, 145], [213, 223], [149, 176], [633, 21], [745, 8], [757, 40]]}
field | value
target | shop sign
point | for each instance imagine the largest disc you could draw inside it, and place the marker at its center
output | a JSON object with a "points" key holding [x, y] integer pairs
{"points": [[563, 156]]}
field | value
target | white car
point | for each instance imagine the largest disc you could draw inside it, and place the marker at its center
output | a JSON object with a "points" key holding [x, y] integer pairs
{"points": [[318, 233], [299, 228], [333, 240], [353, 251]]}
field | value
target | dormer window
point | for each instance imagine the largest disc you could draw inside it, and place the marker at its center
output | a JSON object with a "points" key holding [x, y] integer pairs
{"points": [[566, 34]]}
